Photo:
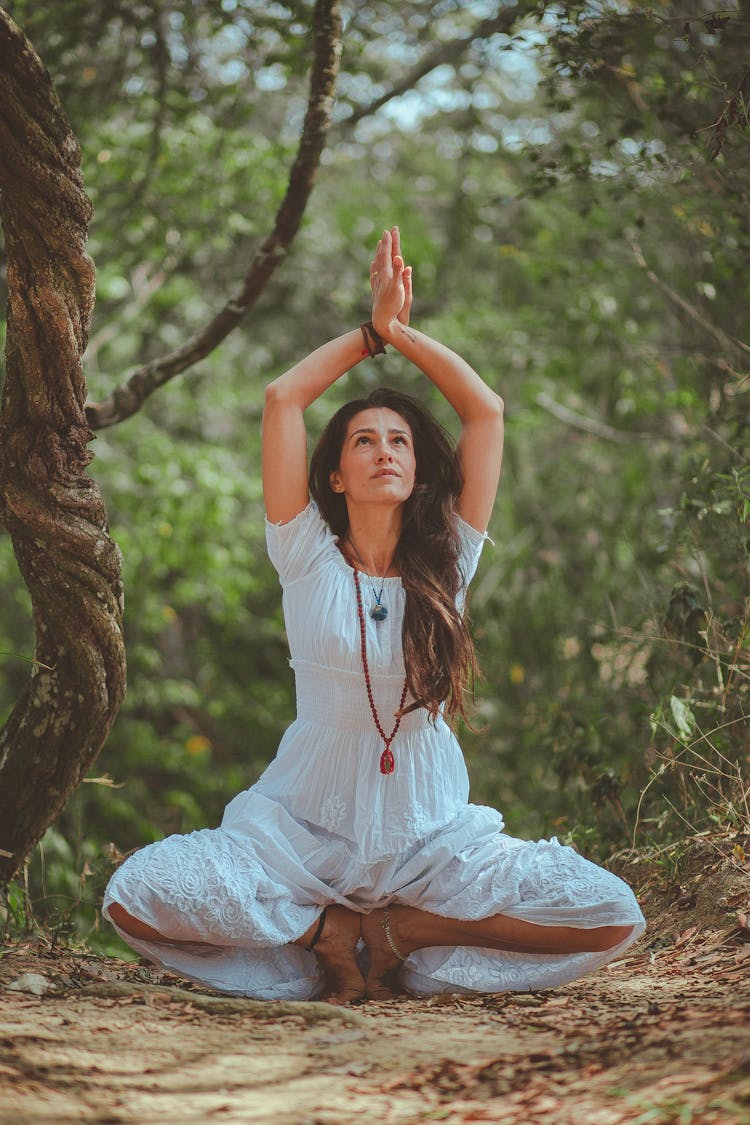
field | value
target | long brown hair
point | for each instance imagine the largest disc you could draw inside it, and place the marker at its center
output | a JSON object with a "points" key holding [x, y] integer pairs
{"points": [[438, 650]]}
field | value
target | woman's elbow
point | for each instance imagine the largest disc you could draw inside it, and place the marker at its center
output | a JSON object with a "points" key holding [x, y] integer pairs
{"points": [[279, 396], [274, 393]]}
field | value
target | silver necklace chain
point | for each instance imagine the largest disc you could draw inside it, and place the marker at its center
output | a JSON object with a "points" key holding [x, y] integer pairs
{"points": [[379, 612]]}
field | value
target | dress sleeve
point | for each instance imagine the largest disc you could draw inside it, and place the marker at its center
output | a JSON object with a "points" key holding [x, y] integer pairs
{"points": [[297, 548], [470, 543]]}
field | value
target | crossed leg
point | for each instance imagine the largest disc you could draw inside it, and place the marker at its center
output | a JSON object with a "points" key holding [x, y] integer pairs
{"points": [[134, 926], [410, 929], [335, 945]]}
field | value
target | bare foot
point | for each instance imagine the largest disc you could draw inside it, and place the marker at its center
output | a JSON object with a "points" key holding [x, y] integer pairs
{"points": [[336, 950], [382, 978]]}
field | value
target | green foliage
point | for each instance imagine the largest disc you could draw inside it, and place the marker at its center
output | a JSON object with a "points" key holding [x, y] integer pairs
{"points": [[574, 203]]}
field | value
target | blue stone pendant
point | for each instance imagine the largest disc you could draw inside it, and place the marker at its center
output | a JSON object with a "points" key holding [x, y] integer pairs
{"points": [[378, 612]]}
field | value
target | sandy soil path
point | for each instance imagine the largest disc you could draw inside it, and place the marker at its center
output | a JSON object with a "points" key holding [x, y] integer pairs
{"points": [[661, 1037]]}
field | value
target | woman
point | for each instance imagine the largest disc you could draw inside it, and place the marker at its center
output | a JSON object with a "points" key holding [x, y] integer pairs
{"points": [[355, 866]]}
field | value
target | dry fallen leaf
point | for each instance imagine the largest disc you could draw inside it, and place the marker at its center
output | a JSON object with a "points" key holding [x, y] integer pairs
{"points": [[743, 921], [686, 936]]}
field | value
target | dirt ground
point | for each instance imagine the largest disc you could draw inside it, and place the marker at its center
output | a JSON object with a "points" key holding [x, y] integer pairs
{"points": [[660, 1037]]}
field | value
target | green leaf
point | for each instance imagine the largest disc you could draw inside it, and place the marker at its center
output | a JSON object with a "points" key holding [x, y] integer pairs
{"points": [[683, 717]]}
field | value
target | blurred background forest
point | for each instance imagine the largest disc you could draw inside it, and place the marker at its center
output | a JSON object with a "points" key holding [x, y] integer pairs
{"points": [[571, 184]]}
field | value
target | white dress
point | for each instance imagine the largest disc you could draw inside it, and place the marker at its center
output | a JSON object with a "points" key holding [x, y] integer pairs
{"points": [[324, 825]]}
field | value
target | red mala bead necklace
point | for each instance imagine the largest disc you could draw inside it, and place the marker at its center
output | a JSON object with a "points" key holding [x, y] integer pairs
{"points": [[387, 761]]}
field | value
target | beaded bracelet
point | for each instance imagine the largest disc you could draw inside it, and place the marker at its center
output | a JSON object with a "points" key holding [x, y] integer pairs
{"points": [[374, 344]]}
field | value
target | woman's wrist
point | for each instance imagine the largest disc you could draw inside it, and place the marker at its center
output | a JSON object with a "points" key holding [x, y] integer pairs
{"points": [[392, 331], [374, 344], [381, 326], [388, 330]]}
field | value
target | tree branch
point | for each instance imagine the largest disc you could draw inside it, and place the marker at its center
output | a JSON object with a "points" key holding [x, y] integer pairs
{"points": [[729, 343], [445, 54], [126, 399], [581, 421]]}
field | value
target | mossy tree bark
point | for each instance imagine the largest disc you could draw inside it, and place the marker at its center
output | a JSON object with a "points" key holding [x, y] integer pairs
{"points": [[51, 507]]}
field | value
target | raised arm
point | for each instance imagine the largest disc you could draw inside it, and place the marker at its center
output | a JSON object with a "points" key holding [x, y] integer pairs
{"points": [[480, 410], [285, 488]]}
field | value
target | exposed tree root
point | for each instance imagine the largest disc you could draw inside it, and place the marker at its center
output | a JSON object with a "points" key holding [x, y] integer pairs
{"points": [[310, 1011]]}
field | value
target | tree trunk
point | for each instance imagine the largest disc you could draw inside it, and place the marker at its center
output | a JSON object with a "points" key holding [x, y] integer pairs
{"points": [[50, 505]]}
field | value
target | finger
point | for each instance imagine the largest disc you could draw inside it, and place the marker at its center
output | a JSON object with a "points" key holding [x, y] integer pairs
{"points": [[403, 316], [383, 252], [384, 265], [395, 241]]}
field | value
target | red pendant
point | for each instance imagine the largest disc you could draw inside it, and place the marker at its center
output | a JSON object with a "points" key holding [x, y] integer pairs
{"points": [[387, 762]]}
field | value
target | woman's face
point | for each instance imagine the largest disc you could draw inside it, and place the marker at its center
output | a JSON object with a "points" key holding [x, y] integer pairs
{"points": [[377, 463]]}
